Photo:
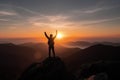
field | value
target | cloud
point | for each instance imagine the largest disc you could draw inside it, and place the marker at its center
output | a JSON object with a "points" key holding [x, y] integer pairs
{"points": [[56, 18], [70, 15], [88, 11], [99, 21], [92, 10], [12, 27], [4, 20], [48, 21], [7, 13], [47, 18], [27, 10], [12, 14], [17, 11]]}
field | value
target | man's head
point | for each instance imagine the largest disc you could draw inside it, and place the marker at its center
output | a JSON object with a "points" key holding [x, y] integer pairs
{"points": [[51, 35]]}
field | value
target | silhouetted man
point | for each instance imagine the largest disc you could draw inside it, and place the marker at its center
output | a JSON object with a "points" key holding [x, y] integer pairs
{"points": [[51, 43]]}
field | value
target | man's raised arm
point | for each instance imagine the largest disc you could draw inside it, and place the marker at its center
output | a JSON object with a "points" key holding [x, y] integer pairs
{"points": [[55, 34], [46, 35]]}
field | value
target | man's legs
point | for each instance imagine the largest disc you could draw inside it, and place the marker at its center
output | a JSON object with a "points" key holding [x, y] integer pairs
{"points": [[53, 51], [49, 51]]}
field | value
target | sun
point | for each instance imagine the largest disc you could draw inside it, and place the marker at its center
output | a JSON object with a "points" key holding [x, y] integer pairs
{"points": [[59, 36]]}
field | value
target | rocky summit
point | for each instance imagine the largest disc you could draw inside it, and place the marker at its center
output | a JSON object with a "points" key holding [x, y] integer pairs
{"points": [[52, 68]]}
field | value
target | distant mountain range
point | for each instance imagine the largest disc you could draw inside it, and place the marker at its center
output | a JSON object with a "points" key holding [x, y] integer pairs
{"points": [[94, 53], [16, 58], [60, 50], [85, 44]]}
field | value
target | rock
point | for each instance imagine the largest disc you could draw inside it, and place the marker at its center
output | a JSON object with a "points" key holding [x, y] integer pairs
{"points": [[52, 68]]}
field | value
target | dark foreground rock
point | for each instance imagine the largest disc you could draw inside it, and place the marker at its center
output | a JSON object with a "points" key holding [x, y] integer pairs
{"points": [[103, 70], [49, 69]]}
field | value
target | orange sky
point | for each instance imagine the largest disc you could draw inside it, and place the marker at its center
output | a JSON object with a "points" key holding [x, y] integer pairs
{"points": [[68, 33], [76, 20]]}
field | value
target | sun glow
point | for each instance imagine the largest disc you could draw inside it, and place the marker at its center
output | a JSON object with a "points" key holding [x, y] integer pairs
{"points": [[59, 36]]}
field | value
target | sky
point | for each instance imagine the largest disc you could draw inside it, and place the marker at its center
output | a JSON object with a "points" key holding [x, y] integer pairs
{"points": [[75, 19]]}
